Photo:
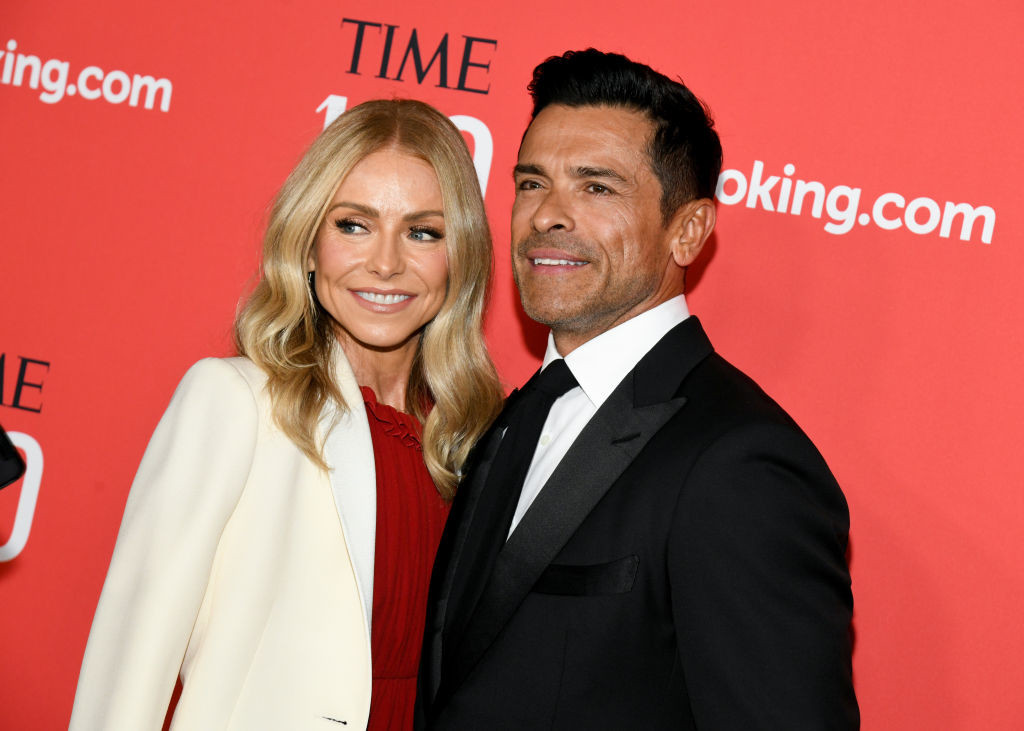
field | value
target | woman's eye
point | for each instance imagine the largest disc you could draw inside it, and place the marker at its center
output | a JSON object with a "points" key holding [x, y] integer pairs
{"points": [[423, 233], [348, 226]]}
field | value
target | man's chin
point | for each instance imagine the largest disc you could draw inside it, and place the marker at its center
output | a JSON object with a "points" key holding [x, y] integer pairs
{"points": [[554, 313]]}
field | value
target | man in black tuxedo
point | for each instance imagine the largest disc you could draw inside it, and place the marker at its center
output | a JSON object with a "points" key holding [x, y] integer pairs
{"points": [[675, 557]]}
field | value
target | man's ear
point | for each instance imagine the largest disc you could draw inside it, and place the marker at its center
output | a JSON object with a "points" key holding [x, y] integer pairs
{"points": [[690, 227]]}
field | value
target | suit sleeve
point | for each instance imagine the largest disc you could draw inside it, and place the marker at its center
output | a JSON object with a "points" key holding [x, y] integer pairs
{"points": [[186, 487], [760, 587]]}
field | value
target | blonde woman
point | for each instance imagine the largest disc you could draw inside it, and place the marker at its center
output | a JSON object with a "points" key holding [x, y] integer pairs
{"points": [[285, 515]]}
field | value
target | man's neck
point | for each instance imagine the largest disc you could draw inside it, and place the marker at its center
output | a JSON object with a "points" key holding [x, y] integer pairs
{"points": [[568, 339], [604, 360]]}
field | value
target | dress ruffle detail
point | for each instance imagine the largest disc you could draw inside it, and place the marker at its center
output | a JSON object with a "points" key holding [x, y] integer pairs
{"points": [[394, 423]]}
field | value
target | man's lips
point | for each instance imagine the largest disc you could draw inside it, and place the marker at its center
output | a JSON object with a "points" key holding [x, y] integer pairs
{"points": [[553, 258], [556, 262]]}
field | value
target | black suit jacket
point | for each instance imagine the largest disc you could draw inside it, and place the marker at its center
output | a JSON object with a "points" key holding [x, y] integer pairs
{"points": [[684, 567]]}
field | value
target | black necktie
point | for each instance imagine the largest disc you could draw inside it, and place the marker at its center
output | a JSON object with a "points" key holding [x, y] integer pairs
{"points": [[500, 495], [512, 462]]}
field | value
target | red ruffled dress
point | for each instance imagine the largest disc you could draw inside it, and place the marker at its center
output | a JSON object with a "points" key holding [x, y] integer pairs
{"points": [[410, 518]]}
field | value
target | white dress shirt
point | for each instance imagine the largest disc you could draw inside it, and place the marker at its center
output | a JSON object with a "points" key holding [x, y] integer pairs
{"points": [[599, 365]]}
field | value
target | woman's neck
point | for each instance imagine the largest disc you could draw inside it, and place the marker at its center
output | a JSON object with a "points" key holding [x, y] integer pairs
{"points": [[386, 372]]}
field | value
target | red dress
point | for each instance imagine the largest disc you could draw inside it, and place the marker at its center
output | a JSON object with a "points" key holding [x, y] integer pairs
{"points": [[410, 518]]}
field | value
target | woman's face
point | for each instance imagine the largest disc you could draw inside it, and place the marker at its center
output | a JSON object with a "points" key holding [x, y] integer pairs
{"points": [[380, 257]]}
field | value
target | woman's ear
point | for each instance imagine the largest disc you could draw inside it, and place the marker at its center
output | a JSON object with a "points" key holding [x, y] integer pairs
{"points": [[690, 227]]}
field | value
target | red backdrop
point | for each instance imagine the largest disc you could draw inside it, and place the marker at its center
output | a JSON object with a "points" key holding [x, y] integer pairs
{"points": [[132, 209]]}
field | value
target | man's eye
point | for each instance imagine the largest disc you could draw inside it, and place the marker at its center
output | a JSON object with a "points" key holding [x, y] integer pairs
{"points": [[598, 188], [528, 185]]}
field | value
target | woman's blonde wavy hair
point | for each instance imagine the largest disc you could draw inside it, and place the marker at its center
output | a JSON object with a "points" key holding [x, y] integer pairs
{"points": [[290, 336]]}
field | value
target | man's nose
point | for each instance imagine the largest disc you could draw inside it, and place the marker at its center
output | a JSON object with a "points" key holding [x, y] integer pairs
{"points": [[553, 213]]}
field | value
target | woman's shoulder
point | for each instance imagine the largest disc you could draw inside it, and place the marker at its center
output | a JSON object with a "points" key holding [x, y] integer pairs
{"points": [[223, 383], [236, 372]]}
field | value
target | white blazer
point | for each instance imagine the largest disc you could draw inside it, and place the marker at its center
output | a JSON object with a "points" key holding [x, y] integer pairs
{"points": [[240, 565]]}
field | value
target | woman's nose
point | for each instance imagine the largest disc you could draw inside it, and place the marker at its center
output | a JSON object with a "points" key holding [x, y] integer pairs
{"points": [[386, 258]]}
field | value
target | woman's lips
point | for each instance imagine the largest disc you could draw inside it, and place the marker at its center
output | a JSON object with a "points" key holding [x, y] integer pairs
{"points": [[382, 301], [379, 298]]}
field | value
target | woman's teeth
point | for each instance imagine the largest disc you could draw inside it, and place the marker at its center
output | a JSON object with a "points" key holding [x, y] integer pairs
{"points": [[383, 299]]}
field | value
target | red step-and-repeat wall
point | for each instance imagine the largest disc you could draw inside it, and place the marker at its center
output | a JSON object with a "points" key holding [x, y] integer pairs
{"points": [[865, 270]]}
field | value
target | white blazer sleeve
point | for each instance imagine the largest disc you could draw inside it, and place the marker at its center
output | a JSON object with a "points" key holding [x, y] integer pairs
{"points": [[188, 483]]}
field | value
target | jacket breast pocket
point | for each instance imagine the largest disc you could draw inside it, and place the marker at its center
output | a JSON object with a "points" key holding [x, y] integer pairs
{"points": [[614, 577]]}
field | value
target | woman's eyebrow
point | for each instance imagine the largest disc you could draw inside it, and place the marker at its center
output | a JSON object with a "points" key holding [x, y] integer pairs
{"points": [[418, 215]]}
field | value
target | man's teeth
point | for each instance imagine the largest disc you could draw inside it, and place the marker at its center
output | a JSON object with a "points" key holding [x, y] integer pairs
{"points": [[558, 262], [383, 299]]}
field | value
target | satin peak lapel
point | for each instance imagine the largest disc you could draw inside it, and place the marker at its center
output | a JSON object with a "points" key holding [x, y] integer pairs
{"points": [[608, 444], [456, 592]]}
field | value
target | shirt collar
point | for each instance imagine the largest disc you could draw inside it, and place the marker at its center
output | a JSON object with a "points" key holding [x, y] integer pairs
{"points": [[601, 363]]}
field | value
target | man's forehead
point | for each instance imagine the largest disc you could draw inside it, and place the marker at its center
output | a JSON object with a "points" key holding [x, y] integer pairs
{"points": [[591, 118], [589, 138]]}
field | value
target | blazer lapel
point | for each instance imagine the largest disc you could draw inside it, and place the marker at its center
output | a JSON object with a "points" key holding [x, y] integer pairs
{"points": [[620, 429], [452, 591], [473, 535], [348, 449]]}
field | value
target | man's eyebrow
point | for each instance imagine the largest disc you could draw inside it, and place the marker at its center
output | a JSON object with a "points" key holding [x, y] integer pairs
{"points": [[528, 169], [587, 171]]}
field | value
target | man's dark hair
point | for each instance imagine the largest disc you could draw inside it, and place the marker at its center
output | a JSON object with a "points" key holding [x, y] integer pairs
{"points": [[685, 153]]}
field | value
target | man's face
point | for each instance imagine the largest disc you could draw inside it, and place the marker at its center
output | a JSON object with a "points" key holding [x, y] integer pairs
{"points": [[588, 247]]}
